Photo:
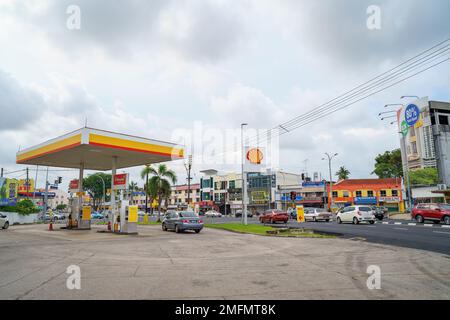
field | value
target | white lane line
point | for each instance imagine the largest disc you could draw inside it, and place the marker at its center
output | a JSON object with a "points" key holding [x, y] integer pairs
{"points": [[441, 232], [397, 223], [427, 225], [445, 226], [412, 224], [401, 228], [385, 222]]}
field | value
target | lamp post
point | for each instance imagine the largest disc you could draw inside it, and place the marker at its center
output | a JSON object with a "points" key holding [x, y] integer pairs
{"points": [[403, 97], [188, 167], [244, 205], [330, 157]]}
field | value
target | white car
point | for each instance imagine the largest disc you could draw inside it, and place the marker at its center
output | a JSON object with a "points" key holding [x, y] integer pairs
{"points": [[213, 214], [4, 223], [356, 214], [317, 214]]}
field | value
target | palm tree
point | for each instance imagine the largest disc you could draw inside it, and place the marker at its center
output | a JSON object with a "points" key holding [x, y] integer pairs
{"points": [[144, 175], [160, 183], [342, 173], [132, 187]]}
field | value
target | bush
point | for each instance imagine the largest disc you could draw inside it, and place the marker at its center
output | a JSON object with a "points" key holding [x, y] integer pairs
{"points": [[24, 207]]}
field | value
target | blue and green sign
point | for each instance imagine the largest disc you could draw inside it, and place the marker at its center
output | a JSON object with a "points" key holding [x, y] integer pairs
{"points": [[412, 114]]}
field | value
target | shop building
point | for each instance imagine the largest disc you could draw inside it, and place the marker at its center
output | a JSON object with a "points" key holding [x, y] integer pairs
{"points": [[382, 192]]}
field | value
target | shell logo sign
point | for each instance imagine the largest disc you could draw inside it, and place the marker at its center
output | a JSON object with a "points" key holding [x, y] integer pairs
{"points": [[255, 156]]}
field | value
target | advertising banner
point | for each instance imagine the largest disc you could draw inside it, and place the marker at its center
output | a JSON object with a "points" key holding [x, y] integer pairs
{"points": [[23, 187], [132, 213], [120, 181], [8, 192], [74, 186], [86, 214]]}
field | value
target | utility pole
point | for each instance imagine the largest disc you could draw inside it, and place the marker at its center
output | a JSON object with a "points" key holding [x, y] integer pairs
{"points": [[35, 183], [28, 183], [1, 174], [244, 205], [146, 193], [330, 198], [188, 167], [46, 193]]}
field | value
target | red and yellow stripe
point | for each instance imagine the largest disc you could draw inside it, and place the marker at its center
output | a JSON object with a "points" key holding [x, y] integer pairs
{"points": [[124, 144], [50, 148]]}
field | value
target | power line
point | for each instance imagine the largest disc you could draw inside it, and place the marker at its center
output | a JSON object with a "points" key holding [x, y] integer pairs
{"points": [[365, 90]]}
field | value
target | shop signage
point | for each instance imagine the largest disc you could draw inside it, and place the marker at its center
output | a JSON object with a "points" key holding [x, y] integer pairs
{"points": [[390, 199], [365, 200], [412, 114]]}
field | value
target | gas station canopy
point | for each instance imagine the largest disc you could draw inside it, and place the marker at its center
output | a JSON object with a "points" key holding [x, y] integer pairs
{"points": [[95, 148]]}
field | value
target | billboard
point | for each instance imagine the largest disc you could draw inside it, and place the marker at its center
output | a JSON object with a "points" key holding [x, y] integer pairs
{"points": [[23, 187], [8, 192], [120, 181]]}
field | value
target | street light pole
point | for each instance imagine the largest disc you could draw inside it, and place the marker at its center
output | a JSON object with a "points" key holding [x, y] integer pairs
{"points": [[330, 198], [244, 205], [188, 167]]}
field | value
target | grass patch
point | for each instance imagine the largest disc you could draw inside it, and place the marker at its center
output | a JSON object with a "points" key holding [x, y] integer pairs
{"points": [[268, 231]]}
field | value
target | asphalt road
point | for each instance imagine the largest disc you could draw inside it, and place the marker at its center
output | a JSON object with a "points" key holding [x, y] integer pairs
{"points": [[425, 237]]}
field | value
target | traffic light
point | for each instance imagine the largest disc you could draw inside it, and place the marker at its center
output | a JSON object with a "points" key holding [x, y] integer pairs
{"points": [[293, 195]]}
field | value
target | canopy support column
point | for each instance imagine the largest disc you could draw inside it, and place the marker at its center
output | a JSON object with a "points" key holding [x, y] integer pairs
{"points": [[113, 192], [80, 194]]}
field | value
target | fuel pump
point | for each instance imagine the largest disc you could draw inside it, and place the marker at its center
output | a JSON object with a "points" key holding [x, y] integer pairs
{"points": [[128, 217]]}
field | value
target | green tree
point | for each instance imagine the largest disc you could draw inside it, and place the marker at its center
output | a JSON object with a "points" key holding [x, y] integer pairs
{"points": [[426, 176], [132, 187], [389, 164], [160, 183], [61, 206], [342, 173], [93, 185]]}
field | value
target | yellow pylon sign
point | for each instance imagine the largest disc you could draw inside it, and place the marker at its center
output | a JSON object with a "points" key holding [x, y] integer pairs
{"points": [[300, 214]]}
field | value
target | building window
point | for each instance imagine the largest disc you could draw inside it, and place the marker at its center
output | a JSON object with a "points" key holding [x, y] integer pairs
{"points": [[395, 193], [358, 193], [346, 194], [414, 147], [232, 184], [382, 193], [370, 193], [335, 194]]}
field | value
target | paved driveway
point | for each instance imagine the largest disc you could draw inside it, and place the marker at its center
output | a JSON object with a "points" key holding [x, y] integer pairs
{"points": [[214, 264]]}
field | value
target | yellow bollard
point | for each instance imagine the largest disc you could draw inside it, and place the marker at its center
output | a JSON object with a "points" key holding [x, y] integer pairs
{"points": [[146, 218]]}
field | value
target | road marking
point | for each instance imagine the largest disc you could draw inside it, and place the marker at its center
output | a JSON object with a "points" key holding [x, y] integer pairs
{"points": [[401, 228], [397, 223], [445, 226], [427, 225], [441, 232], [412, 224], [385, 222]]}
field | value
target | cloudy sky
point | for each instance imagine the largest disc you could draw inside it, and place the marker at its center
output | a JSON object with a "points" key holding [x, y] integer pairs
{"points": [[150, 68]]}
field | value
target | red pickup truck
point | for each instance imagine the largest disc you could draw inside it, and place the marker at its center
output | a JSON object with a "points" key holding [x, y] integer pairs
{"points": [[435, 212], [273, 216]]}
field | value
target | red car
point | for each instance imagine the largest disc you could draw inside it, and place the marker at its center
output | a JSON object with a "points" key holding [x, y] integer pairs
{"points": [[435, 212], [274, 216]]}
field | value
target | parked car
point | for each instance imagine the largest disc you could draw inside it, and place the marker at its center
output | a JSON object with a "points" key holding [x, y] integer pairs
{"points": [[238, 214], [274, 216], [4, 222], [435, 212], [356, 214], [213, 214], [96, 215], [379, 212], [317, 214], [181, 221]]}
